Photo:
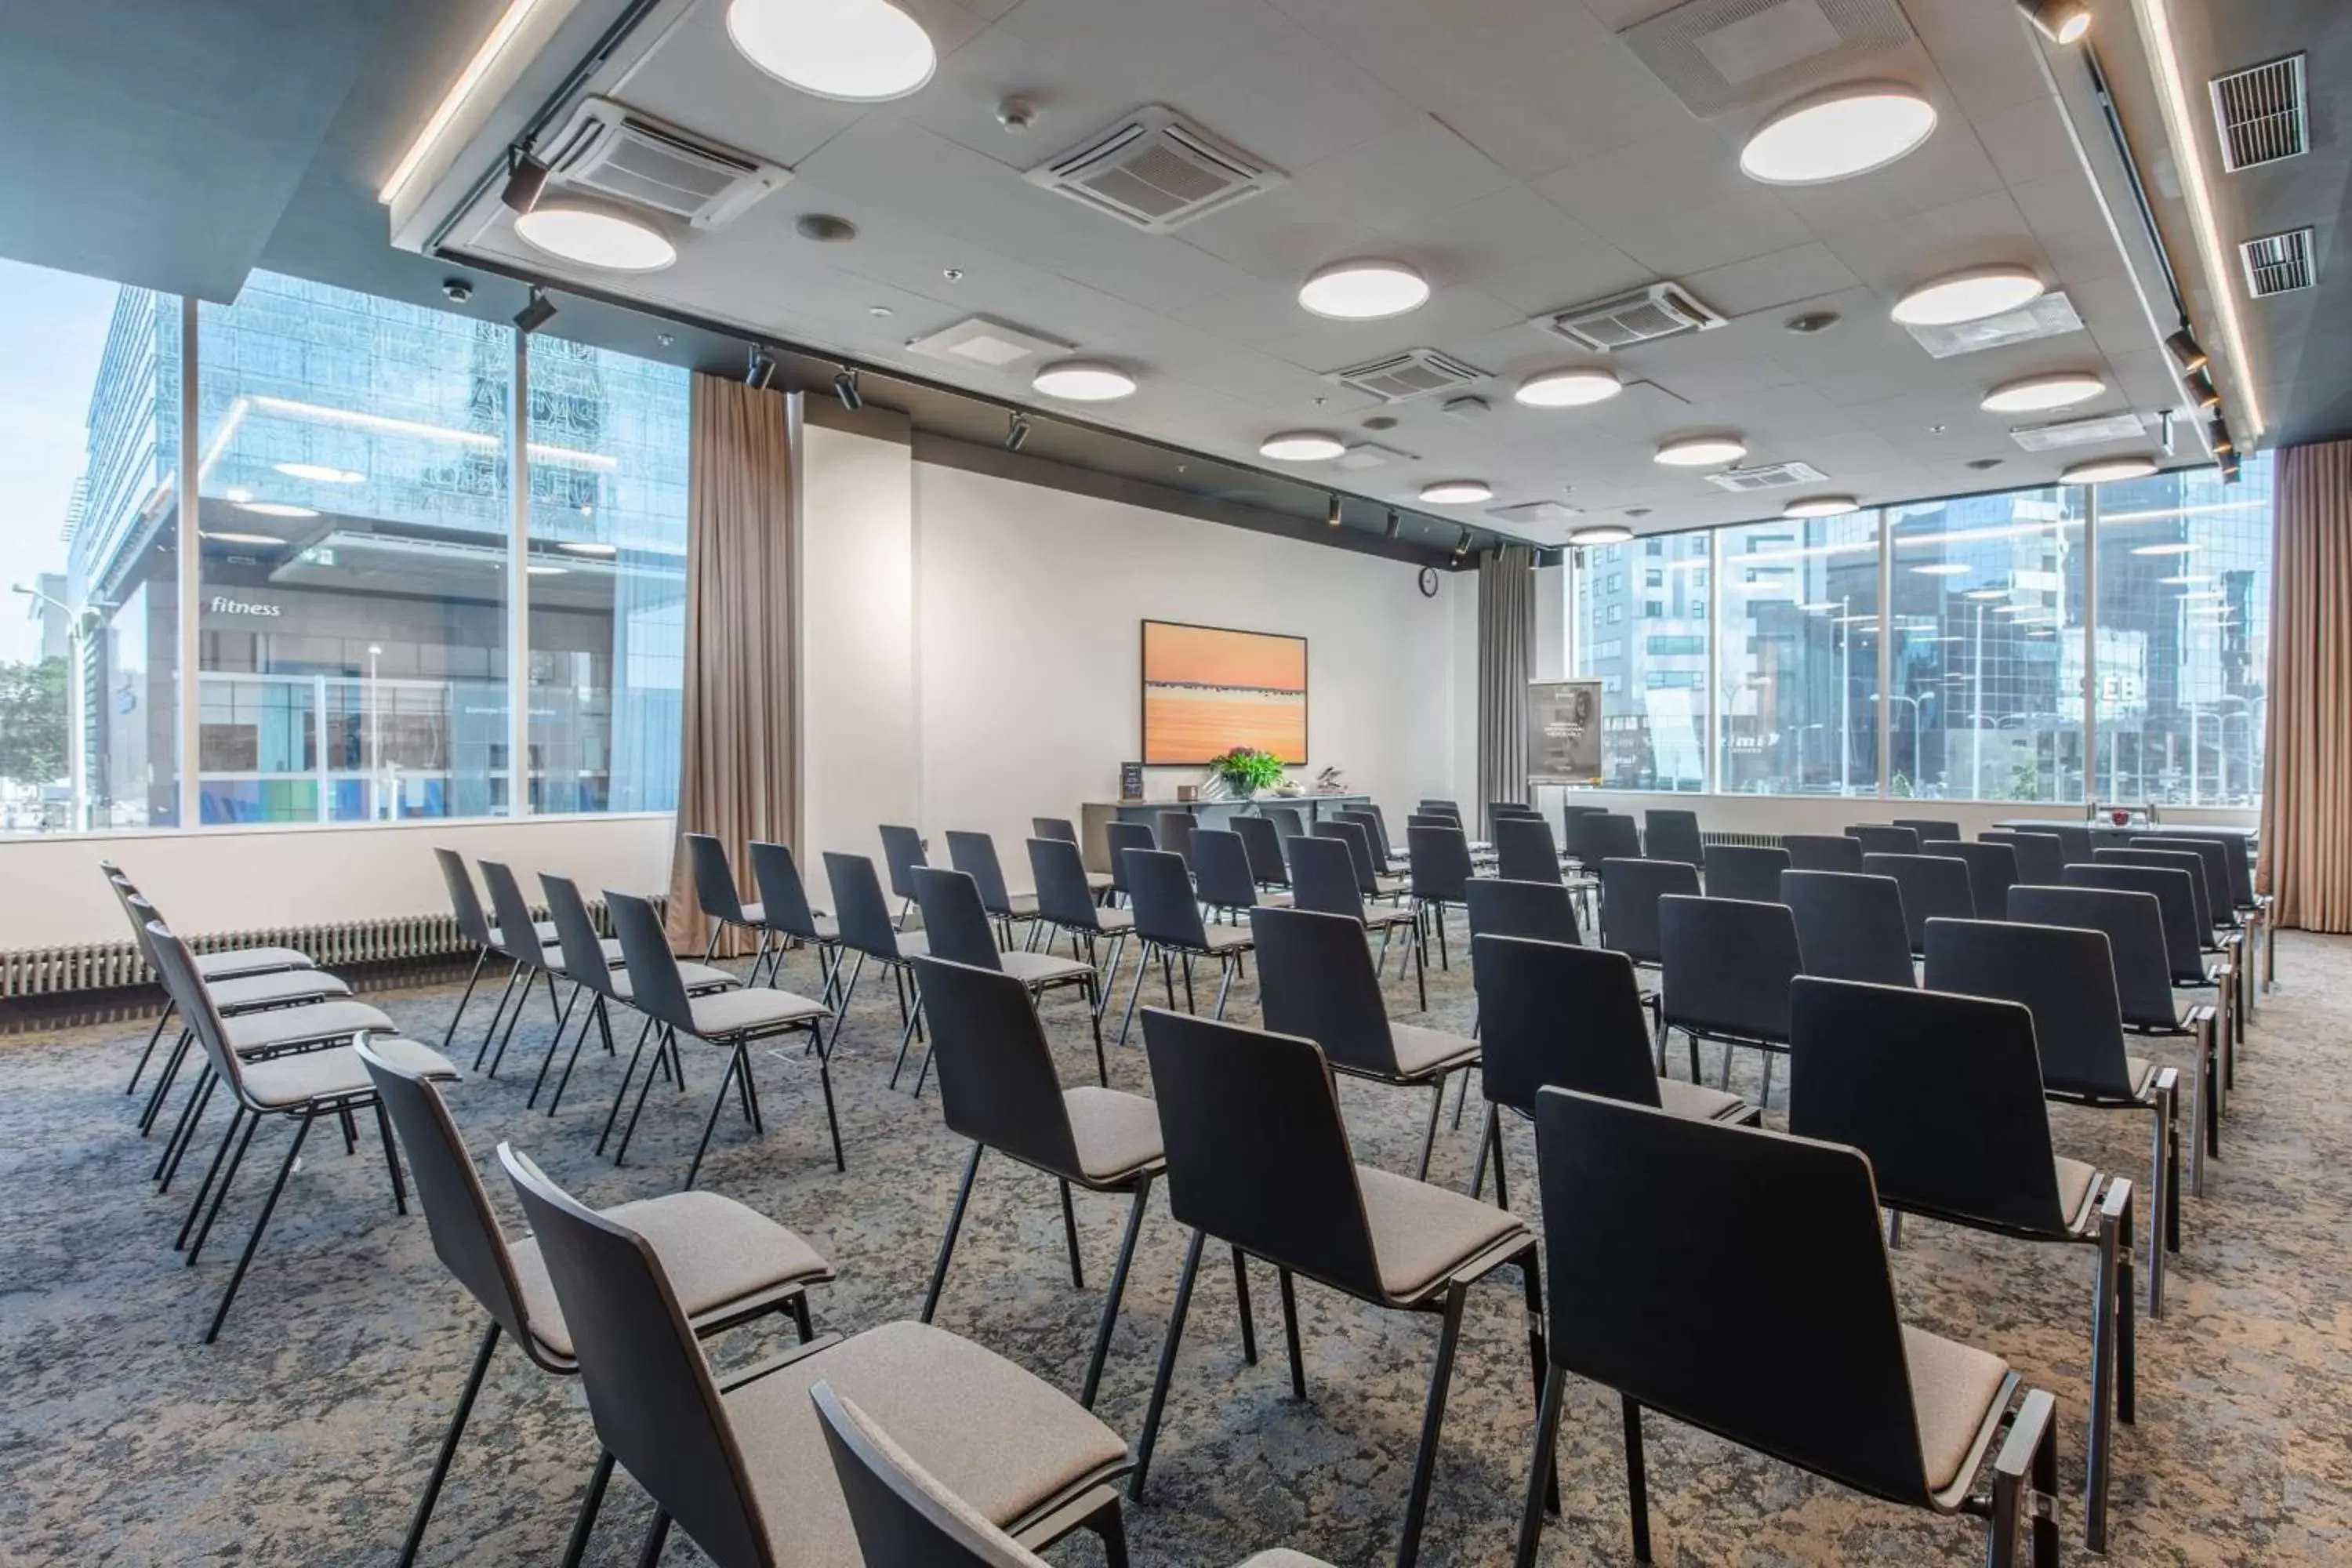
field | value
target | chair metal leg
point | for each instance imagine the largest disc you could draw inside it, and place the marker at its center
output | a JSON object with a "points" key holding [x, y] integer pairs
{"points": [[170, 1009], [621, 1094], [825, 1082], [1241, 1308], [584, 1525], [1142, 967], [1429, 1134], [391, 1158], [228, 1136], [163, 1081], [1118, 1290], [663, 1041], [599, 1017], [449, 1446], [1530, 1269], [1487, 1146], [184, 1132], [1541, 1465], [261, 1222], [657, 1537], [1462, 1095], [1167, 1365], [555, 1043], [1070, 1238], [1420, 972], [1637, 1483], [2103, 1390], [1432, 1421], [955, 1223], [1290, 1333], [506, 995], [736, 1067], [1224, 986], [1093, 993]]}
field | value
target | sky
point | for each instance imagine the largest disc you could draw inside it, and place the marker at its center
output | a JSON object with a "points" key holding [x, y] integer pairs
{"points": [[52, 328]]}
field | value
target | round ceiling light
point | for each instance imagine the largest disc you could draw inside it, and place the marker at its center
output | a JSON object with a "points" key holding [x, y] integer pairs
{"points": [[595, 235], [1301, 446], [231, 536], [1601, 533], [319, 473], [1083, 380], [1846, 131], [1702, 451], [1456, 492], [860, 50], [2103, 471], [275, 509], [1363, 290], [2038, 392], [1822, 506], [1568, 388], [1968, 296]]}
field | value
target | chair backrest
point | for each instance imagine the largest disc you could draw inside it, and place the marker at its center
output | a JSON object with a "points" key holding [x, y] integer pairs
{"points": [[1323, 877], [1162, 897], [2074, 841], [140, 910], [857, 907], [1629, 891], [1524, 850], [974, 855], [1064, 896], [1315, 979], [2066, 977], [1436, 808], [902, 1515], [1850, 926], [955, 926], [902, 851], [1934, 887], [1257, 1155], [575, 935], [1774, 1242], [1221, 866], [783, 896], [176, 967], [2134, 926], [1358, 840], [2221, 903], [1551, 1013], [1376, 828], [1992, 872], [1119, 838], [466, 1236], [656, 988], [1884, 838], [1440, 862], [1673, 836], [1604, 835], [1821, 852], [2176, 902], [650, 1393], [2240, 865], [1541, 912], [1059, 828], [518, 931], [1928, 828], [714, 880], [2041, 859], [465, 903], [997, 1082], [1750, 871], [1262, 842], [2185, 860], [1943, 1093], [1286, 820], [1727, 965], [1175, 832]]}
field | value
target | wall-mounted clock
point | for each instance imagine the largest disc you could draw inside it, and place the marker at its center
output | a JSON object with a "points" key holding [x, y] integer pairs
{"points": [[1429, 582]]}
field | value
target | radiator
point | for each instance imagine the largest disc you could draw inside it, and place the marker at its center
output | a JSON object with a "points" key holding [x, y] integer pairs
{"points": [[1751, 840]]}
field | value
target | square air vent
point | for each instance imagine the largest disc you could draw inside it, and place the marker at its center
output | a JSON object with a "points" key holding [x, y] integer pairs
{"points": [[2260, 113], [1661, 311], [2091, 431], [614, 151], [2277, 262], [1156, 170], [1719, 53], [1370, 455], [1767, 475], [1416, 373], [1533, 512], [2051, 316], [984, 341]]}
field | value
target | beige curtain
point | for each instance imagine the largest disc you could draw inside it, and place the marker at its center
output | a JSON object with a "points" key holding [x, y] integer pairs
{"points": [[2306, 849], [1507, 644], [736, 761]]}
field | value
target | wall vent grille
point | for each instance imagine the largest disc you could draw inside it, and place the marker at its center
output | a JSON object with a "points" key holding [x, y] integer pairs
{"points": [[2261, 114], [1660, 310], [612, 151], [2089, 432], [1416, 373], [1719, 53], [2277, 263], [1766, 477]]}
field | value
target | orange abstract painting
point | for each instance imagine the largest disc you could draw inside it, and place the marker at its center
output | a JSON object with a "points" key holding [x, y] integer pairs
{"points": [[1207, 690]]}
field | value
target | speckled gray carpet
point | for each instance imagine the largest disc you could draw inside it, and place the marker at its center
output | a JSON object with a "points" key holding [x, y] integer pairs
{"points": [[304, 1434]]}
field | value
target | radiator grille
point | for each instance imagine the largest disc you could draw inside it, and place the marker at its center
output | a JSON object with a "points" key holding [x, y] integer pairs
{"points": [[1747, 840]]}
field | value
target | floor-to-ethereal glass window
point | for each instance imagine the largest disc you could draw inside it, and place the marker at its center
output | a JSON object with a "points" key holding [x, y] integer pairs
{"points": [[1986, 652], [2183, 637], [1798, 657], [353, 471], [1641, 630], [609, 454]]}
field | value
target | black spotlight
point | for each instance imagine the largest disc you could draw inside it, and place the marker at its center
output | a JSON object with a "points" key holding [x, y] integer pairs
{"points": [[2185, 352], [1334, 517], [1462, 545], [2230, 468], [844, 386], [537, 313], [2219, 433], [1016, 431], [2201, 390], [1396, 523], [2060, 21], [762, 369], [526, 178]]}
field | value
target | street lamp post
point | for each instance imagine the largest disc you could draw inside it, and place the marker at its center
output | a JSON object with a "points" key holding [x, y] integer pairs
{"points": [[375, 737]]}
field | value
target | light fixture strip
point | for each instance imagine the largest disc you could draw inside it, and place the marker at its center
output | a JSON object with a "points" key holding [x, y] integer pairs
{"points": [[2155, 27], [502, 34]]}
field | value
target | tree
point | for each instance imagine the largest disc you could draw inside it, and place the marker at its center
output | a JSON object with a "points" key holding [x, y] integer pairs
{"points": [[33, 722]]}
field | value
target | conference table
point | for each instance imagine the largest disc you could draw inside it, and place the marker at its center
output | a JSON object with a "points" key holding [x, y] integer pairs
{"points": [[1313, 807]]}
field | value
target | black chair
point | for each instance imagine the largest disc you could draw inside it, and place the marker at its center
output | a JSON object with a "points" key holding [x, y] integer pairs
{"points": [[1629, 891], [1770, 1319], [784, 905], [584, 962], [2074, 843], [867, 930], [2041, 860], [2218, 953], [1065, 831], [1174, 830], [1376, 835], [2067, 979], [1168, 923], [1727, 965], [974, 855], [1992, 872], [545, 960], [1934, 887], [1258, 1158], [1066, 900], [1220, 874], [1118, 838], [902, 851], [957, 928], [1928, 828], [1550, 1014], [719, 900], [1325, 876], [1262, 842], [1315, 979], [1884, 838], [1850, 926], [1673, 836], [1606, 836], [1542, 912], [1944, 1094], [1373, 879], [997, 1087], [2228, 934], [2253, 908], [733, 1464], [1822, 852], [1748, 872], [473, 924], [1441, 874], [1524, 850], [1285, 819]]}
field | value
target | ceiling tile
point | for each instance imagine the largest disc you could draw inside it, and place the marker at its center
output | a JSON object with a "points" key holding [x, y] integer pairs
{"points": [[1420, 168], [1677, 204], [1766, 282]]}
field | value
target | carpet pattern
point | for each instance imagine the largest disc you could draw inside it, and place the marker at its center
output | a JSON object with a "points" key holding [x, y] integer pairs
{"points": [[304, 1436]]}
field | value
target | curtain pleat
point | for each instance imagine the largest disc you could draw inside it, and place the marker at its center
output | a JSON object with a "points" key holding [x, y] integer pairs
{"points": [[1506, 641], [736, 755], [2306, 847]]}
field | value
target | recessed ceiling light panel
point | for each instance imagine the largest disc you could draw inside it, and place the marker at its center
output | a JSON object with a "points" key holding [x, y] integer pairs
{"points": [[1365, 289], [1601, 533], [2103, 471], [1702, 451], [1568, 388], [1456, 492], [1083, 380], [1301, 446], [1822, 506], [1837, 134], [594, 234], [2036, 393], [863, 51], [1968, 296]]}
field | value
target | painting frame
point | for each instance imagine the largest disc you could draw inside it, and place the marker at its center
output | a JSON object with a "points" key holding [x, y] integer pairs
{"points": [[1144, 684]]}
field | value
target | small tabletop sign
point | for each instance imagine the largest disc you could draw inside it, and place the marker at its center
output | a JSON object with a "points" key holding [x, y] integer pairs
{"points": [[1130, 781]]}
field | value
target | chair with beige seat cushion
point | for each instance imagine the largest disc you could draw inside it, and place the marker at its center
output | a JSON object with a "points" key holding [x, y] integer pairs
{"points": [[785, 906], [867, 930], [540, 958], [1062, 830], [720, 902], [956, 922], [273, 1032], [740, 1465], [583, 955], [1325, 877], [1070, 901], [231, 964], [1775, 1244], [475, 928], [998, 1087], [1259, 1159], [1168, 923], [728, 1264]]}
